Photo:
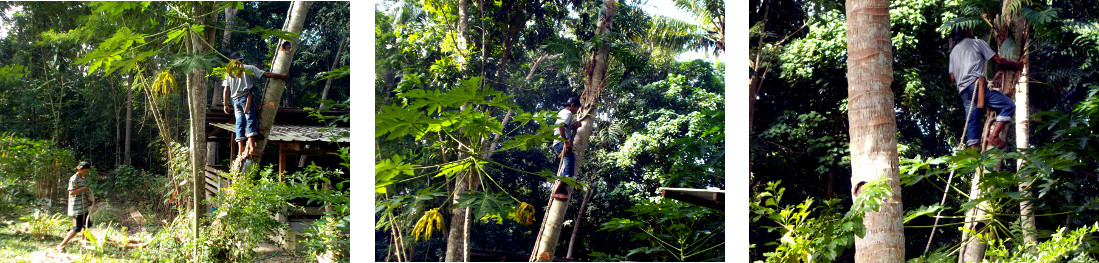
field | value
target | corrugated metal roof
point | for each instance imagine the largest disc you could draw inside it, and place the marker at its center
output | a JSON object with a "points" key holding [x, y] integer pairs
{"points": [[296, 133]]}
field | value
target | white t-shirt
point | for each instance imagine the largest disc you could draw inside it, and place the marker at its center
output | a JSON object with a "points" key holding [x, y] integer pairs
{"points": [[967, 61], [239, 87], [564, 116]]}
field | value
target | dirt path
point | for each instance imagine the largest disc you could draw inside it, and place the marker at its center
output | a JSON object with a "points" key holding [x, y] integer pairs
{"points": [[52, 257]]}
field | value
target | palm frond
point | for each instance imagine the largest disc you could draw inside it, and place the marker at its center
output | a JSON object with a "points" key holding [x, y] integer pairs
{"points": [[676, 36], [960, 22]]}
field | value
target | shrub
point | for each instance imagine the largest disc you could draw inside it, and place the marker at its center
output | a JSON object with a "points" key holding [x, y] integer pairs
{"points": [[42, 225], [246, 217]]}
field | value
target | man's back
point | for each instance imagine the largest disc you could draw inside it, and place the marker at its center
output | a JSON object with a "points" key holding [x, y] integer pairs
{"points": [[967, 61], [240, 86]]}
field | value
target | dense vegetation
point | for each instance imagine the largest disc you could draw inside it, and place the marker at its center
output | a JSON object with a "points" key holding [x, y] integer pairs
{"points": [[452, 75], [801, 205], [104, 82]]}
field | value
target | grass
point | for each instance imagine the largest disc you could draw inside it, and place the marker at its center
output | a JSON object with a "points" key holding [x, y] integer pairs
{"points": [[19, 243]]}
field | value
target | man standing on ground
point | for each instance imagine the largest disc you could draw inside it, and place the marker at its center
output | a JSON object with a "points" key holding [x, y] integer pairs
{"points": [[967, 71], [563, 149], [240, 86], [80, 200]]}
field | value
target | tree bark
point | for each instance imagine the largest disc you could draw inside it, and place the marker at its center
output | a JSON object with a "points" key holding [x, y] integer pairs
{"points": [[196, 97], [595, 80], [129, 126], [576, 223], [1022, 126], [335, 64], [283, 57], [873, 127], [458, 237], [463, 27], [1022, 141]]}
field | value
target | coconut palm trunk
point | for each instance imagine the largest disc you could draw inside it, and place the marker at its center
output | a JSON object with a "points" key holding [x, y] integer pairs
{"points": [[873, 127]]}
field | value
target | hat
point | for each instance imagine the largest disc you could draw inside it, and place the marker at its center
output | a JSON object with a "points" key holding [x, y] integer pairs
{"points": [[572, 101], [236, 56], [83, 165]]}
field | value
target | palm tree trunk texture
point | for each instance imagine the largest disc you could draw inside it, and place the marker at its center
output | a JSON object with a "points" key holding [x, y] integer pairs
{"points": [[595, 80], [873, 127]]}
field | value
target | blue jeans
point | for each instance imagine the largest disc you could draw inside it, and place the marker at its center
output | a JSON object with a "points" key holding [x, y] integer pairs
{"points": [[247, 124], [993, 99], [570, 159]]}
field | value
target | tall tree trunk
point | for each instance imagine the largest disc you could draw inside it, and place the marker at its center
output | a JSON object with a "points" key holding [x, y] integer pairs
{"points": [[595, 80], [1022, 141], [129, 126], [458, 237], [273, 94], [1022, 124], [335, 64], [873, 127], [218, 98], [463, 28], [576, 223], [196, 97]]}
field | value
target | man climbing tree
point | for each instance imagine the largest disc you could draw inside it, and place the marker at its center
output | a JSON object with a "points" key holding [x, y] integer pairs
{"points": [[563, 149], [967, 68], [239, 84]]}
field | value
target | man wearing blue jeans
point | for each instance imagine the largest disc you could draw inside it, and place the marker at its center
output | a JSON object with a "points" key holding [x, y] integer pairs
{"points": [[240, 86], [563, 149], [967, 68]]}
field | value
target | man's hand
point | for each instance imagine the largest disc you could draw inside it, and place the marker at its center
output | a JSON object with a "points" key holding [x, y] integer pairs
{"points": [[225, 108], [91, 198]]}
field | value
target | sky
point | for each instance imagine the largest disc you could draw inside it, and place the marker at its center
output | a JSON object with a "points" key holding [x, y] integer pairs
{"points": [[4, 27], [661, 7], [667, 8]]}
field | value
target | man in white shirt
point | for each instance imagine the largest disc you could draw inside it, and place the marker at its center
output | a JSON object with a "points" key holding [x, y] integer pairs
{"points": [[240, 87], [563, 148]]}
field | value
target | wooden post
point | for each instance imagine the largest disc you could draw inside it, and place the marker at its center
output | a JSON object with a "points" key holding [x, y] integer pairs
{"points": [[282, 160]]}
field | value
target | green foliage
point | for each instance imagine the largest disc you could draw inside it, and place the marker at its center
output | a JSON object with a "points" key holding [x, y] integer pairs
{"points": [[43, 225], [1063, 246], [821, 48], [668, 230], [12, 72], [109, 53], [99, 243], [30, 169], [245, 217], [808, 235]]}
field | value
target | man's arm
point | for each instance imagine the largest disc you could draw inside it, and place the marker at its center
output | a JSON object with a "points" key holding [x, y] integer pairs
{"points": [[1003, 62], [952, 78], [276, 76], [225, 100], [79, 191]]}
